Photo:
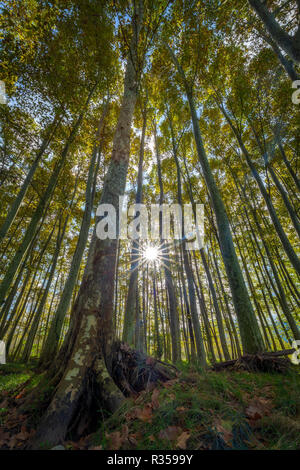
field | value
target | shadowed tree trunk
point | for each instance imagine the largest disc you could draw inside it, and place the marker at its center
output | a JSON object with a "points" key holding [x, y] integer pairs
{"points": [[85, 363], [52, 340], [295, 261], [20, 197], [201, 356], [249, 330], [174, 318]]}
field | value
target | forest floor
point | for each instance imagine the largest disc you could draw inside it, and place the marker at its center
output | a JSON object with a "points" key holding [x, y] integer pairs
{"points": [[196, 410]]}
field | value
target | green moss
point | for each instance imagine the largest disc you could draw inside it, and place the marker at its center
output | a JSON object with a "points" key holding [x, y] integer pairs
{"points": [[11, 381]]}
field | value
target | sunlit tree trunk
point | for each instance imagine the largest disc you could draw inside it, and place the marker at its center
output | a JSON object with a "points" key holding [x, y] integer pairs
{"points": [[130, 308], [249, 330], [17, 259]]}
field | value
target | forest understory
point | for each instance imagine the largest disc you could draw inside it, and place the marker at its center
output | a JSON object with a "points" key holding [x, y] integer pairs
{"points": [[195, 410], [149, 224]]}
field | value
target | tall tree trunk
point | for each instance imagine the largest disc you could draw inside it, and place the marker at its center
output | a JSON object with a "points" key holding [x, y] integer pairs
{"points": [[130, 309], [17, 259], [249, 330], [187, 267], [290, 44], [51, 344], [287, 163], [20, 197], [277, 225], [84, 362], [173, 304]]}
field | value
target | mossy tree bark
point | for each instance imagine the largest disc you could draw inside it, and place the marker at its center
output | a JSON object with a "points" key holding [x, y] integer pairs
{"points": [[85, 363], [51, 343]]}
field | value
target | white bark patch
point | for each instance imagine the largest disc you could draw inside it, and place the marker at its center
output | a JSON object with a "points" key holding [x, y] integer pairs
{"points": [[72, 373], [78, 358], [90, 323]]}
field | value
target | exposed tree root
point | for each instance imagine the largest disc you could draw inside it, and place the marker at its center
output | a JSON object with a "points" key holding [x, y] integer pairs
{"points": [[77, 406], [264, 362], [133, 371]]}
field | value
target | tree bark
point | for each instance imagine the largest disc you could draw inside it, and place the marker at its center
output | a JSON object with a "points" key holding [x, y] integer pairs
{"points": [[130, 308], [85, 363], [290, 44], [249, 330], [51, 344]]}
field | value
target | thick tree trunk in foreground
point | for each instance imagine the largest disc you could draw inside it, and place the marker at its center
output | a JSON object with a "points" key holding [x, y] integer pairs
{"points": [[86, 384], [51, 344]]}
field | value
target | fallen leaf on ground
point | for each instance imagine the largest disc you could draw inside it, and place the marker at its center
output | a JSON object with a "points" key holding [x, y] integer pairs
{"points": [[180, 408], [257, 409], [132, 440], [224, 428], [145, 414], [22, 436], [170, 383], [182, 440], [20, 395], [115, 440], [170, 433], [154, 399]]}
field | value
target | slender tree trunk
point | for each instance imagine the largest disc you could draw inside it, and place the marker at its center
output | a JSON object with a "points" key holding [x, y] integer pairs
{"points": [[287, 164], [277, 225], [285, 199], [189, 274], [290, 44], [174, 318], [130, 309], [20, 197], [16, 261], [52, 341], [249, 330]]}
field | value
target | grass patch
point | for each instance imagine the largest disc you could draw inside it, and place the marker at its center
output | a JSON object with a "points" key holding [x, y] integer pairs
{"points": [[198, 410], [13, 375], [211, 407]]}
